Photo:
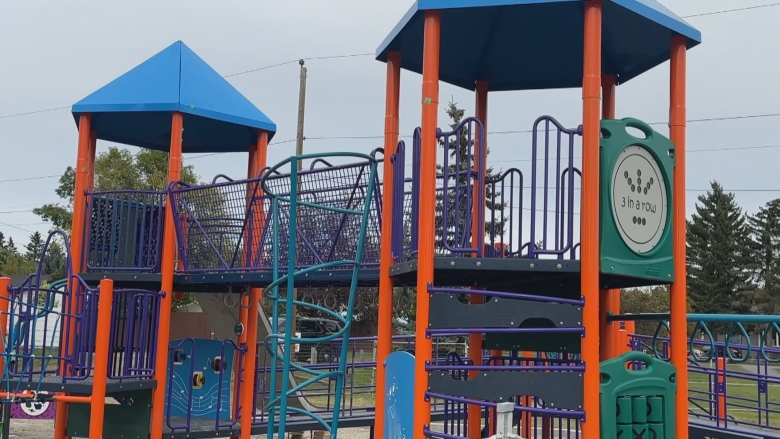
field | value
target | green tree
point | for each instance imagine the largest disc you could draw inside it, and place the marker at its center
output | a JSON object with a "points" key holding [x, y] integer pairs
{"points": [[458, 150], [765, 233], [114, 169], [34, 247], [720, 258]]}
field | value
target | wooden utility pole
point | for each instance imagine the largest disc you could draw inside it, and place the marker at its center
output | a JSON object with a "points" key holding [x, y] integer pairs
{"points": [[298, 151]]}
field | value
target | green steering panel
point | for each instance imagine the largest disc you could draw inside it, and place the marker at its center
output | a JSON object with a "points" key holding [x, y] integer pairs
{"points": [[636, 201]]}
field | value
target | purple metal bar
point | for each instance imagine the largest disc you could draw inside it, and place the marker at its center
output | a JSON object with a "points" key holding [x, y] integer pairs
{"points": [[398, 162]]}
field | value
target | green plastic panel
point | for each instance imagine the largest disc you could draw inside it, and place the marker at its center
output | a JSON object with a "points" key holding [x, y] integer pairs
{"points": [[122, 421], [636, 201], [637, 403]]}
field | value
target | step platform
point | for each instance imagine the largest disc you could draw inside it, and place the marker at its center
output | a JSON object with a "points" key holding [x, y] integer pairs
{"points": [[77, 387], [553, 277], [203, 428], [226, 282]]}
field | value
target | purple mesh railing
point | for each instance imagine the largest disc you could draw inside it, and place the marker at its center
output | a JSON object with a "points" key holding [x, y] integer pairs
{"points": [[223, 226], [124, 230]]}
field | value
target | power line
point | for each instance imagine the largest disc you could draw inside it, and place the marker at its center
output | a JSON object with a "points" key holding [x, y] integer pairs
{"points": [[356, 55], [726, 11]]}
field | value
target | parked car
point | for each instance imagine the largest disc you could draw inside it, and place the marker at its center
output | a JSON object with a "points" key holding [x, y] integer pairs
{"points": [[312, 327]]}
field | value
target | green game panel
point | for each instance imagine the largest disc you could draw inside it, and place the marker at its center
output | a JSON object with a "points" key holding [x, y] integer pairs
{"points": [[637, 165]]}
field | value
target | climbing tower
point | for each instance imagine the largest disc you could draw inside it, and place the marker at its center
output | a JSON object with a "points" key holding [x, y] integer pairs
{"points": [[539, 273]]}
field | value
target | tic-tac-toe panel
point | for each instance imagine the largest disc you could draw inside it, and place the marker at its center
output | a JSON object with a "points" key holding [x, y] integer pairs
{"points": [[636, 172], [200, 378]]}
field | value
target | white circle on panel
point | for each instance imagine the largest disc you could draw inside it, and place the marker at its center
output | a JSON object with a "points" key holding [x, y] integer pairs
{"points": [[35, 408], [639, 202]]}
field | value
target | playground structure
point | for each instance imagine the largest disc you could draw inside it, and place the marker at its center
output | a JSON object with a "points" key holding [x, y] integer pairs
{"points": [[541, 287]]}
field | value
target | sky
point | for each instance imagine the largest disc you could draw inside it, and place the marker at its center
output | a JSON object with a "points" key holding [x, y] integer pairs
{"points": [[55, 53]]}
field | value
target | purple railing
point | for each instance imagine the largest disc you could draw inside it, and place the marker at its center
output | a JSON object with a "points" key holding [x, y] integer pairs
{"points": [[552, 174], [224, 226], [726, 394], [124, 230], [41, 327]]}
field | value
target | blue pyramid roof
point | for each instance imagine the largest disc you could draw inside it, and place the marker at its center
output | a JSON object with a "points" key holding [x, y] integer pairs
{"points": [[536, 44], [136, 108]]}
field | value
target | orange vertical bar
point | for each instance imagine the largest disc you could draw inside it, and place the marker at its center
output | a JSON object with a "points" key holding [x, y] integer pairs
{"points": [[77, 256], [679, 308], [384, 343], [5, 304], [250, 338], [591, 108], [478, 241], [430, 109], [98, 400], [91, 157], [168, 260], [720, 373], [609, 299]]}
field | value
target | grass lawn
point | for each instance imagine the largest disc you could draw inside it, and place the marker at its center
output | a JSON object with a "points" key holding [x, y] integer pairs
{"points": [[742, 396]]}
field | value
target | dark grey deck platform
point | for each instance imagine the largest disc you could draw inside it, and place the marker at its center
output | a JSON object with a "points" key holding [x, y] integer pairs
{"points": [[202, 429], [75, 386], [705, 429]]}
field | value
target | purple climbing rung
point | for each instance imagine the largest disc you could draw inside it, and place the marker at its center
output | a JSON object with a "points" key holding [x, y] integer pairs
{"points": [[518, 296], [507, 330], [503, 368]]}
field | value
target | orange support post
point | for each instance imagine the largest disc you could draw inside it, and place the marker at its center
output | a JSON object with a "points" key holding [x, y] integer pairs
{"points": [[384, 343], [679, 299], [5, 304], [478, 241], [82, 183], [609, 299], [256, 295], [591, 109], [430, 108], [102, 348], [168, 264], [720, 373]]}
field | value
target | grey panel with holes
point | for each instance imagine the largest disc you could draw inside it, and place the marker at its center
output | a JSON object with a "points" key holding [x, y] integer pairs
{"points": [[560, 390], [447, 312]]}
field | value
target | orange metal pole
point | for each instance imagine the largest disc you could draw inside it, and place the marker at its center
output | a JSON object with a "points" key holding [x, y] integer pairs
{"points": [[243, 309], [98, 399], [384, 343], [679, 308], [477, 241], [609, 299], [248, 392], [77, 256], [591, 107], [5, 305], [61, 397], [426, 240], [91, 166], [168, 264]]}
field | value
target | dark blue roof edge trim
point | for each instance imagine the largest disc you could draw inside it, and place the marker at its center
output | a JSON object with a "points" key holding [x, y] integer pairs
{"points": [[382, 49], [673, 23], [241, 121]]}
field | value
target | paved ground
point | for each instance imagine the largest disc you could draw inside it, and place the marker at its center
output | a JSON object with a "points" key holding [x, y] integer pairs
{"points": [[27, 429]]}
